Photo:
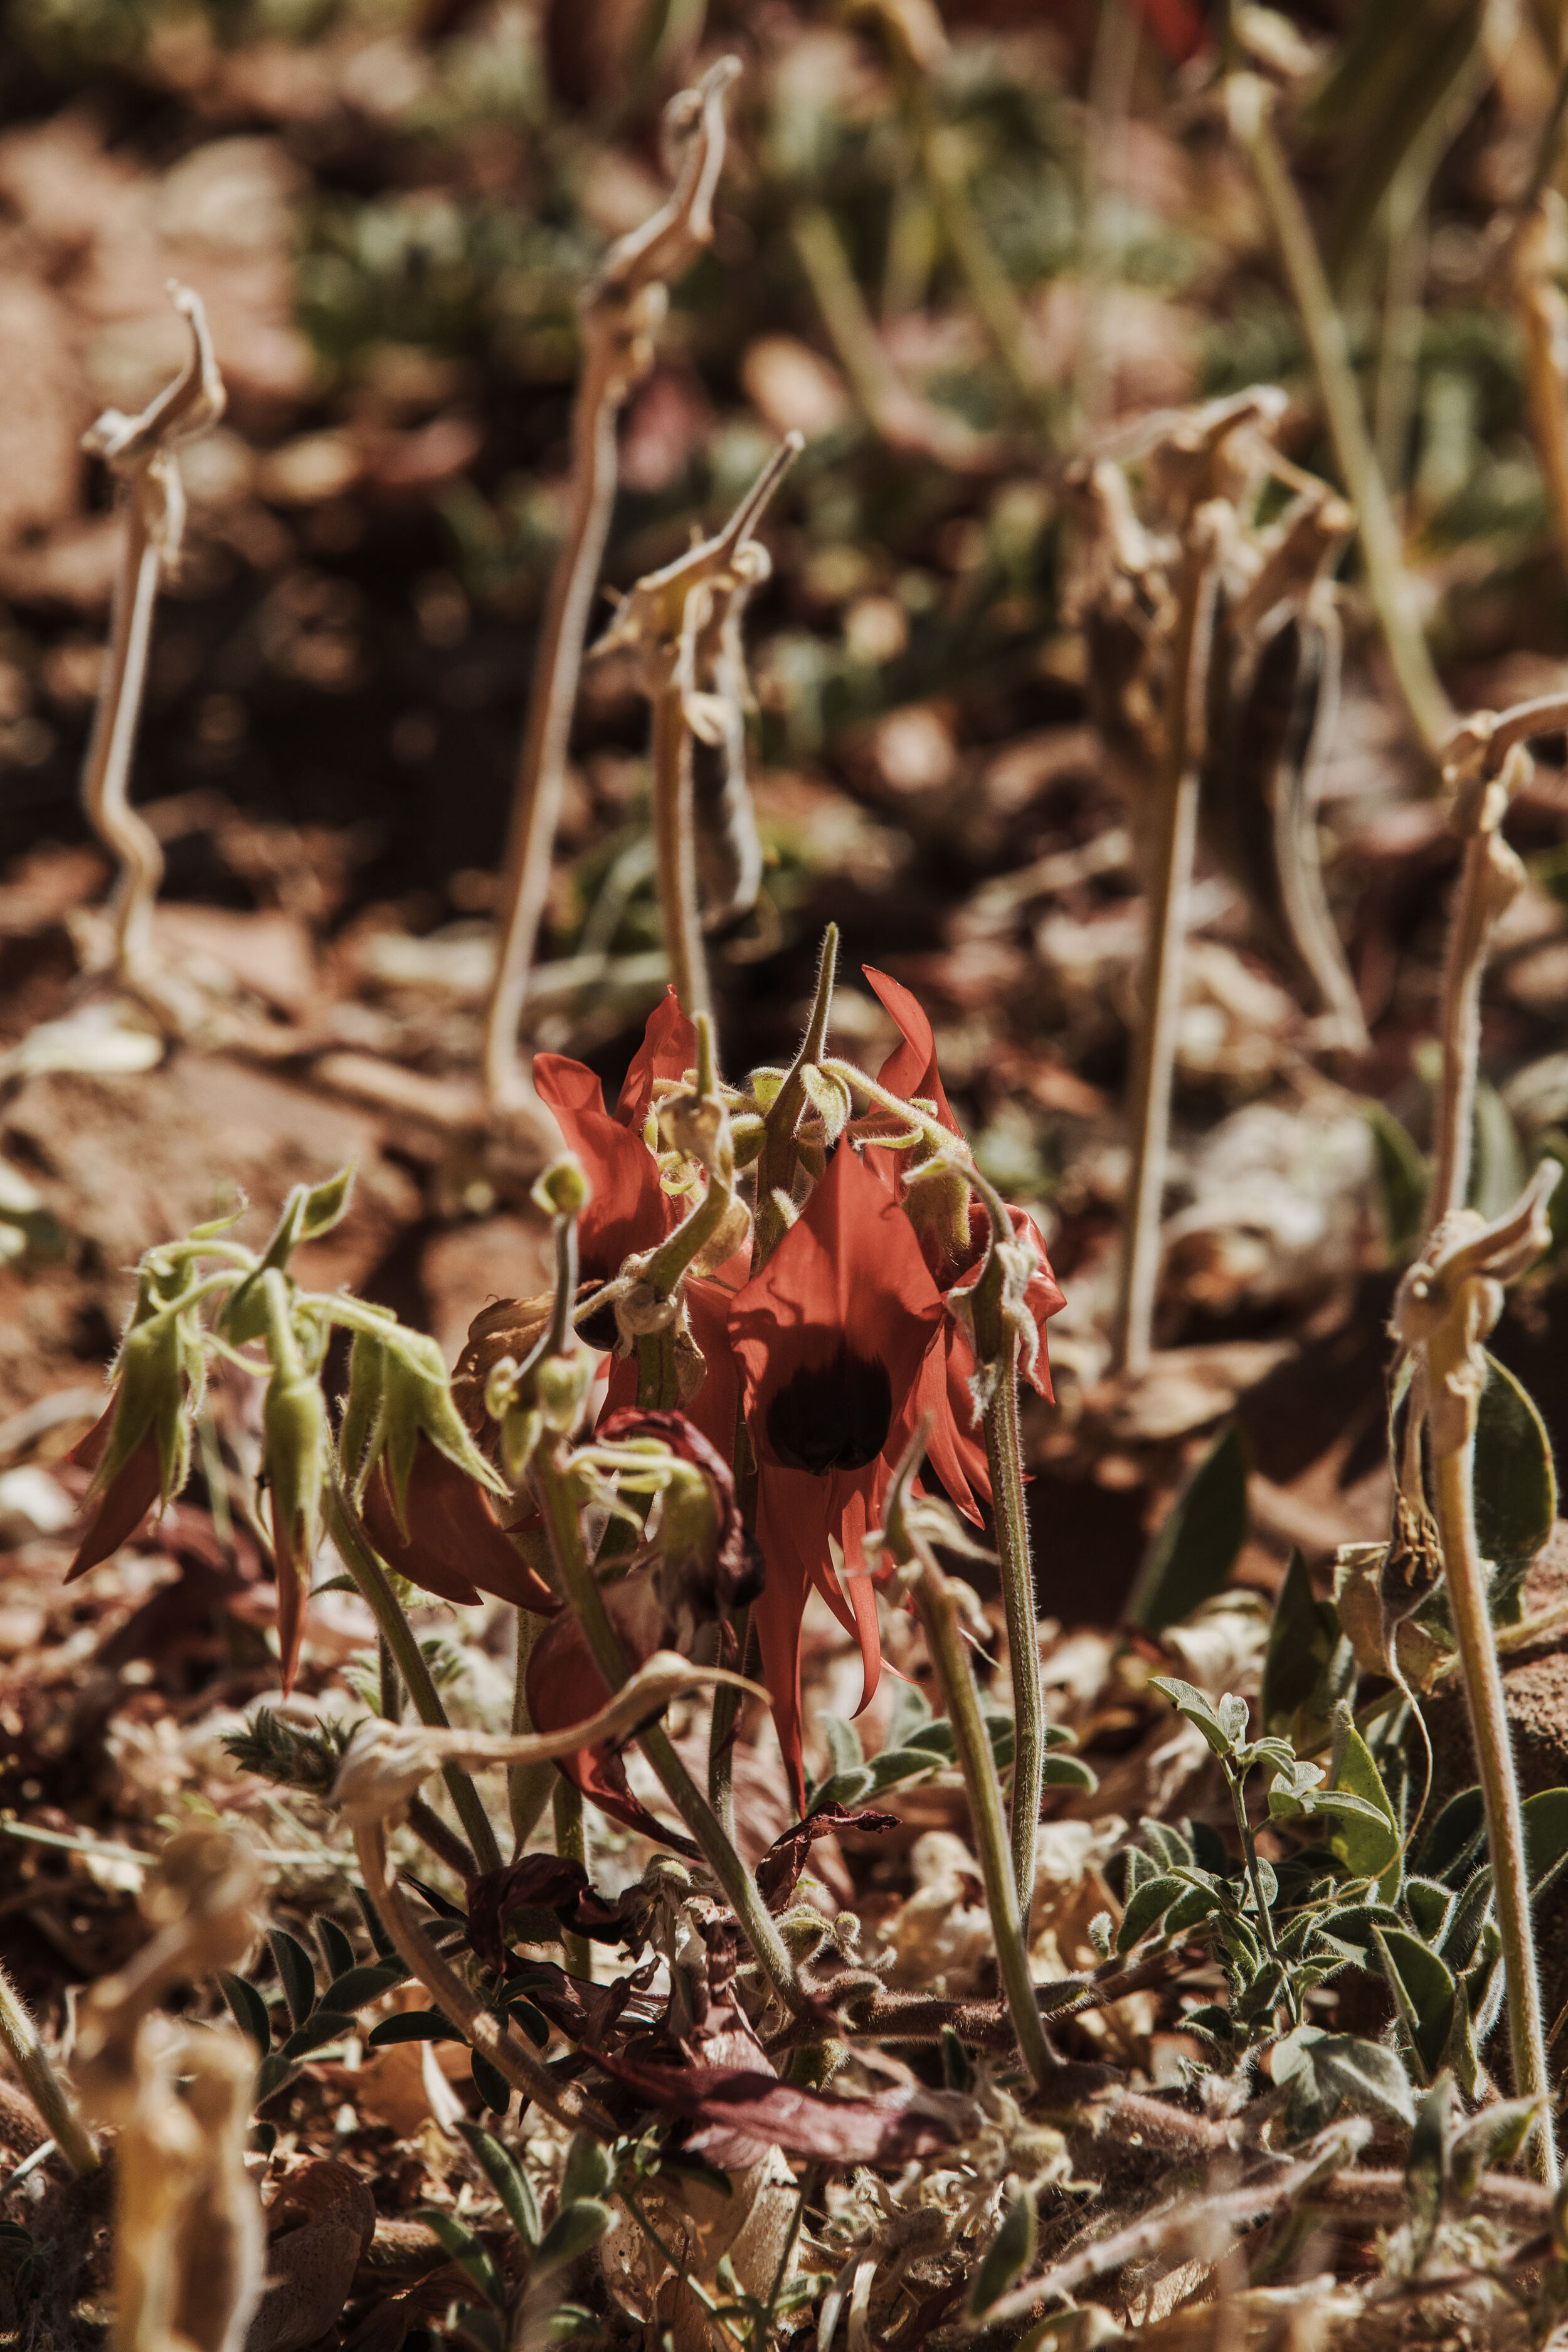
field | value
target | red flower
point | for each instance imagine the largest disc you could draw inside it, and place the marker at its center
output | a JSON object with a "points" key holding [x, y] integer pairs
{"points": [[833, 1337], [626, 1210], [446, 1539]]}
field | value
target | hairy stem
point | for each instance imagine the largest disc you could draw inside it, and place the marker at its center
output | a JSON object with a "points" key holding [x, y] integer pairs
{"points": [[359, 1558], [721, 1732], [934, 1599], [529, 1787], [1164, 956], [1489, 878], [572, 1845], [560, 1513], [674, 850], [1003, 1457], [541, 764], [1500, 1786], [1387, 584], [43, 2085]]}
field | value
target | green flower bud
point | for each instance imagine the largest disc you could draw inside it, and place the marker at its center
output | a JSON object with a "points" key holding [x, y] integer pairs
{"points": [[560, 1385], [361, 1407], [562, 1190]]}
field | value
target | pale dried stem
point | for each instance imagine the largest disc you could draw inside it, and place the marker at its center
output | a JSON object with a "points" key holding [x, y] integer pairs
{"points": [[1387, 582], [1160, 1002], [1489, 878], [541, 764], [1494, 1737], [107, 778], [675, 848]]}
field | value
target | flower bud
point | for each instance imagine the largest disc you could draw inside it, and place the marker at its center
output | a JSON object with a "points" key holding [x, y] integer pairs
{"points": [[560, 1385], [361, 1407], [295, 1448], [562, 1190]]}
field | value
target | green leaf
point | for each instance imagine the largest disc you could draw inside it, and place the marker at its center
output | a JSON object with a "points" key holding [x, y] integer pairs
{"points": [[1493, 2137], [843, 1743], [1497, 1170], [589, 2168], [1515, 1485], [1067, 1773], [520, 2012], [1430, 1906], [1301, 1640], [1545, 1817], [1007, 2257], [466, 2248], [1368, 2077], [248, 2010], [489, 2081], [910, 1711], [412, 2025], [1402, 1178], [1368, 1847], [1191, 1557], [1449, 1848], [374, 1928], [294, 1973], [1198, 1904], [1146, 1907], [508, 2178], [326, 2025], [1190, 1701], [358, 1986], [574, 2228], [1423, 1989], [336, 1948], [1168, 1847], [324, 1204]]}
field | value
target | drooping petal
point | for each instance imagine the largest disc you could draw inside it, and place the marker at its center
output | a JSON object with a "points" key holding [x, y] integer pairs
{"points": [[668, 1050], [911, 1068], [830, 1338], [565, 1685], [124, 1503], [453, 1545], [626, 1210]]}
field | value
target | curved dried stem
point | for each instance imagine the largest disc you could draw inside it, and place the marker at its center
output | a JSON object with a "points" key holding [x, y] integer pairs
{"points": [[620, 311], [140, 452]]}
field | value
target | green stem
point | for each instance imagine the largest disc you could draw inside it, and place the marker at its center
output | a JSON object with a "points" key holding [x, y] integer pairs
{"points": [[43, 2085], [1454, 1478], [572, 1845], [577, 1580], [1003, 1458], [359, 1558], [529, 1787], [934, 1599], [1237, 1782], [1387, 584]]}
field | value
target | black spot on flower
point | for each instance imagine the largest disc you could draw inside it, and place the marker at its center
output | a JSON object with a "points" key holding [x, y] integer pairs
{"points": [[831, 1416]]}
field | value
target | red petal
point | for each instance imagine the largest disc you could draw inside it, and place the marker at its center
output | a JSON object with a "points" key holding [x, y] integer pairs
{"points": [[565, 1685], [625, 1209], [668, 1050], [293, 1590], [123, 1505], [423, 1554], [849, 1273], [911, 1068]]}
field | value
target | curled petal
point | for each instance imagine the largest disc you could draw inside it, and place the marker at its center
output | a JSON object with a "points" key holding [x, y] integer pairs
{"points": [[911, 1068], [565, 1685], [668, 1050], [453, 1544], [124, 1503]]}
